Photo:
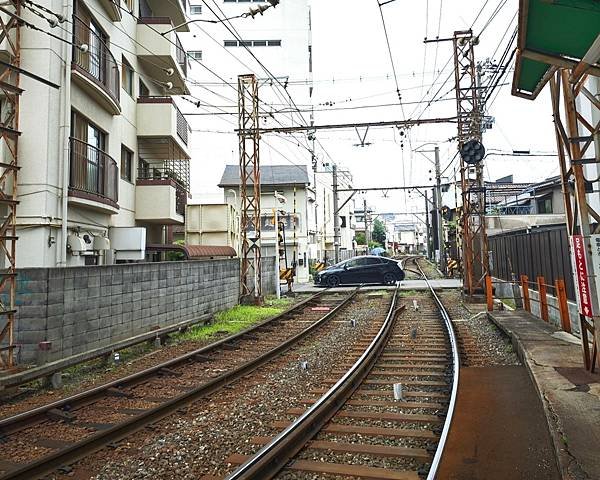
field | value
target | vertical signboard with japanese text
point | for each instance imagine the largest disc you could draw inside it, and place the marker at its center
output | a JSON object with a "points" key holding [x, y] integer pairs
{"points": [[595, 264], [580, 271]]}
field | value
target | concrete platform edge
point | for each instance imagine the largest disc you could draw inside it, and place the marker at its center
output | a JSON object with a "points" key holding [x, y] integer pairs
{"points": [[563, 457]]}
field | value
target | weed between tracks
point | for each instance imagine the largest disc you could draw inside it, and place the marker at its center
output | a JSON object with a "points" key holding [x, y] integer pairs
{"points": [[238, 318]]}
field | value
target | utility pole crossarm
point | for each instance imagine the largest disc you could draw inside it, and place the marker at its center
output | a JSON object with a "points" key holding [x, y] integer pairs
{"points": [[393, 123]]}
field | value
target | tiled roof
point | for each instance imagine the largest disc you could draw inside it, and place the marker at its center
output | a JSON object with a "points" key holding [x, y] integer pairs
{"points": [[269, 175]]}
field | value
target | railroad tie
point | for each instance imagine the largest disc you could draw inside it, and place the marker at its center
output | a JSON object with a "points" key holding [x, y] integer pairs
{"points": [[367, 449], [346, 470], [369, 431]]}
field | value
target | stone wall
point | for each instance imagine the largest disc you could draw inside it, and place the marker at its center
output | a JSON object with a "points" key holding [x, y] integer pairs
{"points": [[82, 308]]}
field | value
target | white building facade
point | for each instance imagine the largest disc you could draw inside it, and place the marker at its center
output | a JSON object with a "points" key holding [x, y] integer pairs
{"points": [[105, 156]]}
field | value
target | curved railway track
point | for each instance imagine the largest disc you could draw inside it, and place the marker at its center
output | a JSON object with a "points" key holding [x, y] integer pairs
{"points": [[357, 428], [37, 442]]}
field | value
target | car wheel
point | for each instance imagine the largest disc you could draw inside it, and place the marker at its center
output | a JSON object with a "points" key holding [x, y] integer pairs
{"points": [[333, 281], [389, 279]]}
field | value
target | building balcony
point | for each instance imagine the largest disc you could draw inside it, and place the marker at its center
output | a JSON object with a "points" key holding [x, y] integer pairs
{"points": [[95, 70], [161, 193], [94, 178], [160, 125], [162, 53], [176, 10]]}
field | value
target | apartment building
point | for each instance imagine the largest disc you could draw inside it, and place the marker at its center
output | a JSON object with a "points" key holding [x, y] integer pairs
{"points": [[105, 156]]}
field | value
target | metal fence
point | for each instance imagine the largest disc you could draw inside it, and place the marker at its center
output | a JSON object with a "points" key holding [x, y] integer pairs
{"points": [[535, 253]]}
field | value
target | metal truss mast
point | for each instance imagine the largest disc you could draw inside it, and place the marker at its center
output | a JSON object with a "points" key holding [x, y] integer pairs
{"points": [[577, 126], [475, 256], [249, 139], [10, 36]]}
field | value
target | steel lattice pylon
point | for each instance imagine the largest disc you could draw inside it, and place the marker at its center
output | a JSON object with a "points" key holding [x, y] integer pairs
{"points": [[9, 136], [576, 130], [251, 282], [475, 257]]}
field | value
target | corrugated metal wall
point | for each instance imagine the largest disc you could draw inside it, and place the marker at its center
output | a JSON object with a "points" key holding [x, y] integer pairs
{"points": [[539, 252]]}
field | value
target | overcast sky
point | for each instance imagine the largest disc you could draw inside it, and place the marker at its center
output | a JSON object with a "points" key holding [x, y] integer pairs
{"points": [[352, 69], [349, 42]]}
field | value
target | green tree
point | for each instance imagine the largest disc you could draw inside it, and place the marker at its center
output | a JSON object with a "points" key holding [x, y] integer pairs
{"points": [[360, 238], [378, 232]]}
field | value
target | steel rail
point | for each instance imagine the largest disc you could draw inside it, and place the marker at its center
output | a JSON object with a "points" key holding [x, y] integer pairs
{"points": [[274, 456], [17, 422], [455, 378], [88, 445]]}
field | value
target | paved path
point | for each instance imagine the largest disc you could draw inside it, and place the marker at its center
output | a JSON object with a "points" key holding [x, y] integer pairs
{"points": [[499, 431], [570, 395], [405, 285]]}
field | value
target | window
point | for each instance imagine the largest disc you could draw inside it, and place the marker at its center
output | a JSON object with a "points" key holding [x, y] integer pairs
{"points": [[127, 76], [88, 156], [129, 5], [144, 90], [252, 43], [544, 205], [143, 169], [195, 54], [85, 131], [126, 163], [372, 261], [196, 9]]}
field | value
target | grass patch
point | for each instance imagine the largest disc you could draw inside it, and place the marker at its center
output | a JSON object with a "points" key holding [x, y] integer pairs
{"points": [[238, 318], [408, 293]]}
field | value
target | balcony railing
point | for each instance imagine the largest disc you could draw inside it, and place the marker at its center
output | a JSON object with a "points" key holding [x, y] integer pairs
{"points": [[97, 63], [93, 172], [164, 175], [183, 128]]}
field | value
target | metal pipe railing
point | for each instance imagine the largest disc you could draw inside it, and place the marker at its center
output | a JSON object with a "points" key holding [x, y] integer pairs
{"points": [[93, 171], [97, 63]]}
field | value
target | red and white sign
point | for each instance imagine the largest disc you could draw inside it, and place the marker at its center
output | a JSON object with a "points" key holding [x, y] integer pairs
{"points": [[581, 275]]}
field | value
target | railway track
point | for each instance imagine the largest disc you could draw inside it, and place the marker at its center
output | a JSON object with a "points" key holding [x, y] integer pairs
{"points": [[365, 425], [37, 442]]}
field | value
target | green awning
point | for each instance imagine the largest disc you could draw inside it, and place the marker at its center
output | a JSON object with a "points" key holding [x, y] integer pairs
{"points": [[552, 33]]}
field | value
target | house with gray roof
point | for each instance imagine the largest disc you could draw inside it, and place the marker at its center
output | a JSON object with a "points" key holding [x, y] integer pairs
{"points": [[307, 212]]}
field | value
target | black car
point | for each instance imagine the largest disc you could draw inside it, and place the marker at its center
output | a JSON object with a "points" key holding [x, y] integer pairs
{"points": [[367, 269]]}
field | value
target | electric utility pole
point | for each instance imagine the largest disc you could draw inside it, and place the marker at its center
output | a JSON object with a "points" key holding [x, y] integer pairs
{"points": [[474, 237], [249, 140], [367, 231], [336, 217], [427, 227], [438, 207]]}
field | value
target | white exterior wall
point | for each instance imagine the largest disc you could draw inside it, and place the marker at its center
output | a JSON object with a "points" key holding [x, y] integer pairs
{"points": [[299, 248], [41, 147]]}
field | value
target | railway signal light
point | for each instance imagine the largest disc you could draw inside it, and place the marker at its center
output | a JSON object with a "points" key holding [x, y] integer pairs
{"points": [[472, 152]]}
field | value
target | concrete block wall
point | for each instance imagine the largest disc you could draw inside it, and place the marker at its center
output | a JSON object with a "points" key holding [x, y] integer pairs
{"points": [[82, 308]]}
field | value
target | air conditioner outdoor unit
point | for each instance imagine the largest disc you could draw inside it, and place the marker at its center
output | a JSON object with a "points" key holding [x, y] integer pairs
{"points": [[75, 244], [101, 243]]}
